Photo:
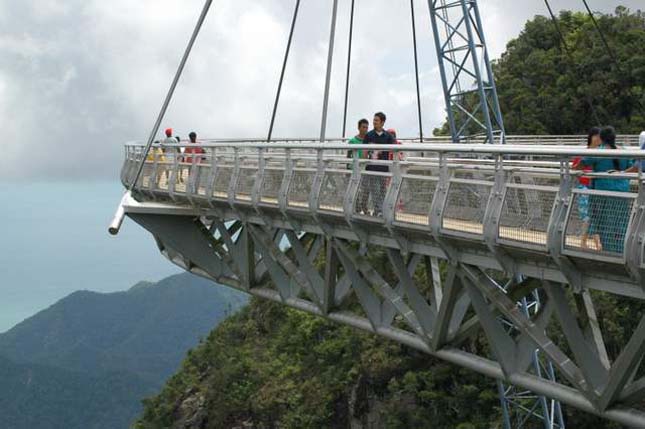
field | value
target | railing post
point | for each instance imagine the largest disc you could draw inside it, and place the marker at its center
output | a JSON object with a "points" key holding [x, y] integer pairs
{"points": [[390, 201], [492, 217], [437, 208], [256, 194], [172, 175], [193, 174], [212, 176], [557, 226], [316, 185], [286, 182], [154, 175], [232, 186], [125, 169], [635, 236], [440, 198], [352, 190]]}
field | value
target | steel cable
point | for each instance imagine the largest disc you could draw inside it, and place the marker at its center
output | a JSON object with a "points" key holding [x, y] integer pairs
{"points": [[171, 91], [416, 68], [349, 64], [610, 51], [284, 67], [565, 48]]}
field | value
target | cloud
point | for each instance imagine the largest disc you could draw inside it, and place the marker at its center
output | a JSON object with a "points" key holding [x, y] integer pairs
{"points": [[80, 77]]}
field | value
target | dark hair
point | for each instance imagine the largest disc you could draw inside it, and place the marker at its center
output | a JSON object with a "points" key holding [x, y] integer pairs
{"points": [[178, 139], [608, 137], [363, 121], [192, 136], [595, 131], [381, 116]]}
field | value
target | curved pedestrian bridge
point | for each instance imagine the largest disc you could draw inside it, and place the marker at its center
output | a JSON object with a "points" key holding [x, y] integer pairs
{"points": [[309, 215], [517, 206]]}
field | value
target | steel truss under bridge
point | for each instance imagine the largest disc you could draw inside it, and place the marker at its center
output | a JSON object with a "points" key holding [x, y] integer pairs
{"points": [[255, 216]]}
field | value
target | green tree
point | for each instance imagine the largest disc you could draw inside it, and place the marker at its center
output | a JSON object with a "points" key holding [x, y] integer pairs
{"points": [[544, 91]]}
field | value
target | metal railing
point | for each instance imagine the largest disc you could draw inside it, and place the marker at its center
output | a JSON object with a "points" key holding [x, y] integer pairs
{"points": [[508, 197], [627, 140]]}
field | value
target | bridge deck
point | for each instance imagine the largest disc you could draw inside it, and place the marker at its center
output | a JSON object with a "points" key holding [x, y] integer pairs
{"points": [[519, 208]]}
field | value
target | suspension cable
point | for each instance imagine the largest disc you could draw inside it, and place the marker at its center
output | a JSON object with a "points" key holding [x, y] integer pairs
{"points": [[565, 47], [171, 91], [284, 67], [610, 51], [349, 65], [330, 58], [416, 68]]}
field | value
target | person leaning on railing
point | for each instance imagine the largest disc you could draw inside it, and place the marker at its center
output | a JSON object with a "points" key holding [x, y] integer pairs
{"points": [[609, 215], [586, 183]]}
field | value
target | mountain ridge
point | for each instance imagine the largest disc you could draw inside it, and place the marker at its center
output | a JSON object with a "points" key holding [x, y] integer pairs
{"points": [[89, 360]]}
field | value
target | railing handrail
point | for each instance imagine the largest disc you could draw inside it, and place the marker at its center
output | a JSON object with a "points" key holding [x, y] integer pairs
{"points": [[511, 138], [479, 149]]}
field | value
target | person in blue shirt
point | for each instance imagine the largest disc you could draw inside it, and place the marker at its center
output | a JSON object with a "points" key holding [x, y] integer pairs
{"points": [[641, 162], [609, 215]]}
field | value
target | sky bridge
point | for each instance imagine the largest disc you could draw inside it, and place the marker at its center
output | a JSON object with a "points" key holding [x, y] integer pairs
{"points": [[306, 216], [479, 235]]}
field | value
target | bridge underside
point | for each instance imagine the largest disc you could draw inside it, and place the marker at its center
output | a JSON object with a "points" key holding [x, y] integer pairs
{"points": [[443, 265], [341, 278]]}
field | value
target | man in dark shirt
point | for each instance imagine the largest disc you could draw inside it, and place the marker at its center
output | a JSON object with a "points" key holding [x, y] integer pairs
{"points": [[377, 184]]}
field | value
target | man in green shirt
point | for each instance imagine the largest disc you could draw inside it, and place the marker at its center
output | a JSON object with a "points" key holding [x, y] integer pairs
{"points": [[363, 126]]}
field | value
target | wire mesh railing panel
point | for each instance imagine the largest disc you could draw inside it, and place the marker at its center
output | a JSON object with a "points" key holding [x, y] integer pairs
{"points": [[332, 193], [182, 177], [414, 200], [146, 179], [475, 174], [245, 182], [164, 171], [131, 167], [545, 179], [525, 215], [300, 188], [422, 170], [598, 222], [202, 179], [466, 206], [370, 196], [271, 184], [223, 175], [125, 171]]}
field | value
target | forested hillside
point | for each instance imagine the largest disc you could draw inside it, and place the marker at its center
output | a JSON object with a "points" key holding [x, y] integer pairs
{"points": [[542, 90]]}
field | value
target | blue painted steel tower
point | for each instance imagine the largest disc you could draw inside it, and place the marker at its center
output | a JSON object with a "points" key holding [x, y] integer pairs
{"points": [[472, 105]]}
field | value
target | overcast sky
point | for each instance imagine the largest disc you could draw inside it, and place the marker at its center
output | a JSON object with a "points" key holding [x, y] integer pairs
{"points": [[78, 78]]}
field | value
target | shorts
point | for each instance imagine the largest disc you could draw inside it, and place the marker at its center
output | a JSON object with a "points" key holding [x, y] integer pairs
{"points": [[583, 205]]}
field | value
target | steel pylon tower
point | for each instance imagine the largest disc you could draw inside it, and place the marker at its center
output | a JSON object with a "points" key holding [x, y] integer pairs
{"points": [[521, 406], [473, 110], [472, 106]]}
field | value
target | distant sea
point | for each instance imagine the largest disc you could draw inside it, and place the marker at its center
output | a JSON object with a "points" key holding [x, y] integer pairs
{"points": [[54, 241]]}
